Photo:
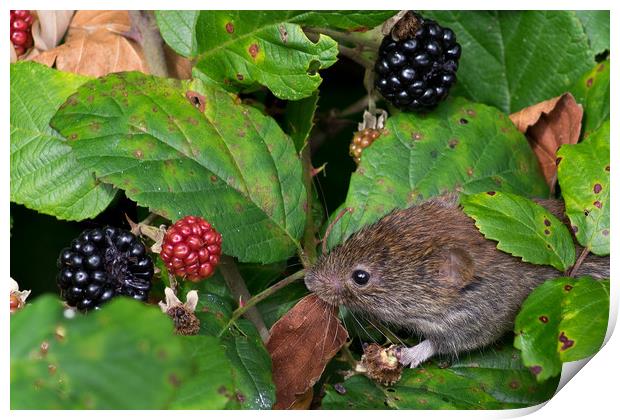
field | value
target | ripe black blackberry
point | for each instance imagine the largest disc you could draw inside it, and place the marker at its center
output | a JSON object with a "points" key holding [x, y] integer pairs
{"points": [[101, 264], [417, 63]]}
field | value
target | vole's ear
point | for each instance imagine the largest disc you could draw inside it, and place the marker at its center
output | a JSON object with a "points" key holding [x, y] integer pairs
{"points": [[456, 267]]}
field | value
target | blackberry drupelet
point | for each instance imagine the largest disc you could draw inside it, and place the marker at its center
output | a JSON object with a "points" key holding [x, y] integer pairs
{"points": [[101, 264], [416, 71]]}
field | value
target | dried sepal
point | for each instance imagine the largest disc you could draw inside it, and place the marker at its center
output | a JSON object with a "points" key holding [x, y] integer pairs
{"points": [[185, 320], [380, 364]]}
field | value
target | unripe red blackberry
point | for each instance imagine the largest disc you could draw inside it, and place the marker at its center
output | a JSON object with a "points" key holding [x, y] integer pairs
{"points": [[101, 264], [191, 248], [21, 36], [417, 63], [361, 140]]}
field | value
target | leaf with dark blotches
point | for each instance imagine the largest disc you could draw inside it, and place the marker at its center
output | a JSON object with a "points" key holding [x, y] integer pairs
{"points": [[548, 125], [563, 320], [583, 174], [460, 146], [181, 148], [522, 228], [592, 91], [301, 344], [489, 378]]}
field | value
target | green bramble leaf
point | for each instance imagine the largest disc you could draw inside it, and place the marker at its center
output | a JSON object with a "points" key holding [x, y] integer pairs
{"points": [[459, 146], [522, 228], [562, 320], [490, 379], [513, 59], [45, 176], [227, 162], [583, 174], [245, 49], [596, 25], [592, 92]]}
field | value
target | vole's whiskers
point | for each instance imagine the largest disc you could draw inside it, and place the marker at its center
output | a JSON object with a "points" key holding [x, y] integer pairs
{"points": [[387, 329], [362, 327]]}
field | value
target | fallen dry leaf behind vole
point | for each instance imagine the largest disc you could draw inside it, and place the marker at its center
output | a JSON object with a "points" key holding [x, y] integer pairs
{"points": [[547, 126], [301, 344]]}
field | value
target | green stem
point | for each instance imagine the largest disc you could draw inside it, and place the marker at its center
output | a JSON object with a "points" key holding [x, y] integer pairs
{"points": [[250, 303], [237, 287], [308, 254], [356, 56], [346, 37]]}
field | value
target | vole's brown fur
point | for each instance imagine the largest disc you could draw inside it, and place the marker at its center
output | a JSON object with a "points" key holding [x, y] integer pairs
{"points": [[433, 273]]}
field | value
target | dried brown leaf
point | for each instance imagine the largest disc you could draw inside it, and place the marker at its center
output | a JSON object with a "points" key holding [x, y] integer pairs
{"points": [[301, 344], [547, 126], [95, 45], [50, 27]]}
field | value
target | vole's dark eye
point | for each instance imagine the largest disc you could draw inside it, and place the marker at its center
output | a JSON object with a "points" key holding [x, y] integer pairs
{"points": [[360, 277]]}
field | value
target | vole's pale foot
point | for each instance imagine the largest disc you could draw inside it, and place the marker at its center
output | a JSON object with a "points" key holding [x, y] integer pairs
{"points": [[414, 356]]}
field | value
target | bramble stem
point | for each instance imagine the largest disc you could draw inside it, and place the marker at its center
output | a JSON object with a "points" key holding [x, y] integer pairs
{"points": [[355, 55], [573, 270], [239, 290], [346, 37], [250, 303]]}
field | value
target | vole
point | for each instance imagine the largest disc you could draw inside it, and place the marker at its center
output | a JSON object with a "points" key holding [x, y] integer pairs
{"points": [[429, 270]]}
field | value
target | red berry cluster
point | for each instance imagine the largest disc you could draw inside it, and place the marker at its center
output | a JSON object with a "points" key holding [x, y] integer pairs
{"points": [[191, 248], [21, 37]]}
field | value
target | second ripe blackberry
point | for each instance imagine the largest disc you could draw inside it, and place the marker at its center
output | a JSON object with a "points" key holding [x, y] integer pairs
{"points": [[417, 63]]}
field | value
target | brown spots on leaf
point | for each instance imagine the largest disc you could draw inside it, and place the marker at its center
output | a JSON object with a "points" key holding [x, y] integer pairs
{"points": [[543, 319], [471, 112], [514, 384], [94, 126], [470, 171], [568, 287], [536, 369], [44, 347], [453, 143], [547, 222], [193, 121], [213, 178], [566, 342], [586, 212], [138, 154], [607, 168], [417, 136], [90, 99], [597, 188], [155, 109], [547, 232], [463, 121], [238, 207], [589, 82], [174, 380], [196, 99], [575, 228], [240, 397], [240, 77], [598, 204], [605, 232], [241, 133], [253, 50], [504, 129], [73, 136], [222, 390], [230, 28], [283, 34], [359, 29], [51, 369], [491, 193]]}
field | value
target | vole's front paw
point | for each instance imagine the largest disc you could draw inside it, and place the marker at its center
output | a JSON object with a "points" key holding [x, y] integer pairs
{"points": [[416, 355]]}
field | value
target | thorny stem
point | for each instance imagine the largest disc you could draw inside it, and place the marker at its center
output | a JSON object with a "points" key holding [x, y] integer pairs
{"points": [[144, 28], [237, 287], [250, 303], [573, 270]]}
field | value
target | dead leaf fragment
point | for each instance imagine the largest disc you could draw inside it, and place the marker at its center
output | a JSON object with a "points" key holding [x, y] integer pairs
{"points": [[301, 344], [95, 45], [547, 126]]}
